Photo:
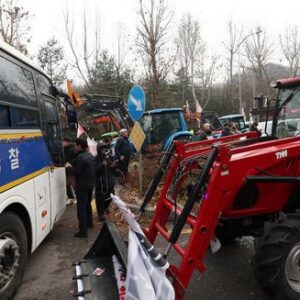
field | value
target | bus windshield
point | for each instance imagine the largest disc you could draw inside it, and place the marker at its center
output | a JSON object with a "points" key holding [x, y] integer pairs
{"points": [[288, 123]]}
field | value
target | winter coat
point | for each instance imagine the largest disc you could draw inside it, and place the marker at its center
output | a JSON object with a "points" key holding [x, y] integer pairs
{"points": [[70, 153], [122, 148], [105, 179], [83, 167]]}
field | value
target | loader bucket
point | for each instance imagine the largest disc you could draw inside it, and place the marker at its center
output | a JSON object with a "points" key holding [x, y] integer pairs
{"points": [[90, 286]]}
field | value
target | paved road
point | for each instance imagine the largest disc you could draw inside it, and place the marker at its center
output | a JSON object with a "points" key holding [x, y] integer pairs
{"points": [[49, 269], [48, 274]]}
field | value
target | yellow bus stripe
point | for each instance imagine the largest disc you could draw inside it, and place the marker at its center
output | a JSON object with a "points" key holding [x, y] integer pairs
{"points": [[22, 179], [4, 136]]}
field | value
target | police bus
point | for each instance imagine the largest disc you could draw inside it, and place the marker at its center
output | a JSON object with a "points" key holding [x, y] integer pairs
{"points": [[32, 174]]}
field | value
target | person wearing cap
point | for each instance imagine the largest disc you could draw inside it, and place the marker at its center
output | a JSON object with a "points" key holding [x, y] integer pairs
{"points": [[123, 151], [83, 167], [105, 180]]}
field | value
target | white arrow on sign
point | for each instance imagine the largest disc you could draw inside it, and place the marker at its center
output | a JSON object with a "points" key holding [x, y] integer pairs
{"points": [[137, 103]]}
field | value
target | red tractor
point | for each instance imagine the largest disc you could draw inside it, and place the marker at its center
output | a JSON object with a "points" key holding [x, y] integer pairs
{"points": [[242, 185]]}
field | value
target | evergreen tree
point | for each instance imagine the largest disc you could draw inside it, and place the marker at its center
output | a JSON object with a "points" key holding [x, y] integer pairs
{"points": [[108, 79], [50, 56]]}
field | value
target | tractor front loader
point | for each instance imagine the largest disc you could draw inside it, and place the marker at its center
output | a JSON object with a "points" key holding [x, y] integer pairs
{"points": [[242, 185]]}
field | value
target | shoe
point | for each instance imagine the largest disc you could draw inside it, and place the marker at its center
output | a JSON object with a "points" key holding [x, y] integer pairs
{"points": [[80, 235], [75, 201], [107, 210], [102, 218], [69, 201]]}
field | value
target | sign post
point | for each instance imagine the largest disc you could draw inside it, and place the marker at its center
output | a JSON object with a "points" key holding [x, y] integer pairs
{"points": [[136, 107]]}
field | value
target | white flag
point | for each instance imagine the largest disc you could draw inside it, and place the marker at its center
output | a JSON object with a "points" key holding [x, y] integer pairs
{"points": [[243, 113], [187, 107], [198, 107], [92, 146], [146, 268], [80, 130]]}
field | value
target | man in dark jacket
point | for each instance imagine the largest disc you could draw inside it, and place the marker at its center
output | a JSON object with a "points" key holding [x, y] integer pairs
{"points": [[227, 130], [122, 150], [69, 154], [203, 132], [105, 180], [84, 171]]}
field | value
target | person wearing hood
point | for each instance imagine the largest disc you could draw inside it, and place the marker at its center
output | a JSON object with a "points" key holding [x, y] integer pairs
{"points": [[105, 180]]}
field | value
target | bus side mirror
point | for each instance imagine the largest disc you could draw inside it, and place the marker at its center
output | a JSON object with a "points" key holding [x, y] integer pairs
{"points": [[54, 91]]}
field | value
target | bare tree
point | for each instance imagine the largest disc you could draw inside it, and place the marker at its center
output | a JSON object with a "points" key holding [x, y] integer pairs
{"points": [[121, 46], [85, 45], [290, 46], [258, 52], [191, 48], [206, 73], [14, 25], [235, 40], [152, 37]]}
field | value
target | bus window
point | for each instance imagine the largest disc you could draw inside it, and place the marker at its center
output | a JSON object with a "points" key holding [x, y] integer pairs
{"points": [[44, 85], [51, 112], [4, 117], [16, 84], [53, 136], [24, 118]]}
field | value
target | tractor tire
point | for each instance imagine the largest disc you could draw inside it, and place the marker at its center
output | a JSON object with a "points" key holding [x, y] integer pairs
{"points": [[133, 165], [13, 254], [277, 259]]}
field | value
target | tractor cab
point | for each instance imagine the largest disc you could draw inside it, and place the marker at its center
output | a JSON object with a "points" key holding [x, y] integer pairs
{"points": [[237, 119], [162, 126], [286, 122]]}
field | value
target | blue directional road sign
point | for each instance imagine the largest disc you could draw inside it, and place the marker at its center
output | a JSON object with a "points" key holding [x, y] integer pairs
{"points": [[136, 102]]}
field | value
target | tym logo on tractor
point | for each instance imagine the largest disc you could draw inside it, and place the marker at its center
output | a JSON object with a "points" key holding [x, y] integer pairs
{"points": [[235, 186], [281, 154]]}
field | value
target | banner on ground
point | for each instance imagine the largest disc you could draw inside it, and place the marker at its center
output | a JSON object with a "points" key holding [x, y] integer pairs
{"points": [[146, 268]]}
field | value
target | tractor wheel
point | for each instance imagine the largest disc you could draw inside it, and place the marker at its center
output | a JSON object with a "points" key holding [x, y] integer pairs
{"points": [[133, 165], [277, 260]]}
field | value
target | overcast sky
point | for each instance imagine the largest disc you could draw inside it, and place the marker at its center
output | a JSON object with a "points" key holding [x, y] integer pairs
{"points": [[213, 15]]}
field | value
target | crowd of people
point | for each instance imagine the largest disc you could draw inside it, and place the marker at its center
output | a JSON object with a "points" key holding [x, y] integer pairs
{"points": [[205, 131], [86, 172]]}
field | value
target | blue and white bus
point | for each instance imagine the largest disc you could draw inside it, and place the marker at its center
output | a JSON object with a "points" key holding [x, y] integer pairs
{"points": [[32, 173]]}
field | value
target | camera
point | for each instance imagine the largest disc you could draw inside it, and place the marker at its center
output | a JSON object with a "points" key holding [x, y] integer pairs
{"points": [[107, 154]]}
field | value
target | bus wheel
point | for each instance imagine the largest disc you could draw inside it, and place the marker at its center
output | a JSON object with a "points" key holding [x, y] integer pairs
{"points": [[277, 259], [13, 254]]}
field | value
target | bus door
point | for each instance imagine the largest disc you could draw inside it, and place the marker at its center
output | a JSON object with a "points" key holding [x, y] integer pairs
{"points": [[52, 136], [57, 170], [43, 209]]}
